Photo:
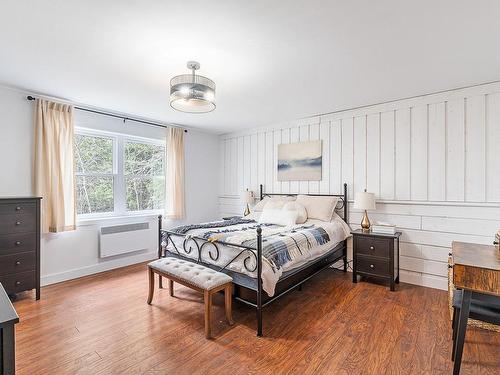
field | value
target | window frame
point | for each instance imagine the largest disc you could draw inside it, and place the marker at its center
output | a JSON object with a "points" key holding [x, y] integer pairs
{"points": [[119, 188]]}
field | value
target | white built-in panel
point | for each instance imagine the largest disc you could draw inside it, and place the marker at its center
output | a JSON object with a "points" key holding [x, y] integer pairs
{"points": [[387, 151], [403, 153], [436, 172], [432, 161], [418, 153]]}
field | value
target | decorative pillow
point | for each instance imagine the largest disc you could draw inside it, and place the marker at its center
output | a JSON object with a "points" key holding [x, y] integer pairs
{"points": [[278, 217], [301, 211], [260, 205], [318, 207]]}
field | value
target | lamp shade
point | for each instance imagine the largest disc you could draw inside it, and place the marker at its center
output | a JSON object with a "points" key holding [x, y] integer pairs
{"points": [[248, 197], [364, 201]]}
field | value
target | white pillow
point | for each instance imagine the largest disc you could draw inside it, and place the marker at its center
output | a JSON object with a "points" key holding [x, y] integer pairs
{"points": [[260, 205], [274, 205], [301, 211], [318, 207], [278, 217]]}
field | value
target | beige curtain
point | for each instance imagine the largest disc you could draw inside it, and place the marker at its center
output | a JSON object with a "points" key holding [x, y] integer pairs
{"points": [[53, 165], [175, 174]]}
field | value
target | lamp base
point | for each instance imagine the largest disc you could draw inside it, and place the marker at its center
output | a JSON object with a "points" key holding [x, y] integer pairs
{"points": [[365, 222], [247, 211]]}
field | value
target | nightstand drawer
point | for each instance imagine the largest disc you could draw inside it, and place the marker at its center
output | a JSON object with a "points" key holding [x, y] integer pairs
{"points": [[375, 266], [378, 247]]}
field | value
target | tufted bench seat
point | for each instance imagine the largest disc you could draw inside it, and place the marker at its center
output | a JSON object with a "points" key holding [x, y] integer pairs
{"points": [[194, 276]]}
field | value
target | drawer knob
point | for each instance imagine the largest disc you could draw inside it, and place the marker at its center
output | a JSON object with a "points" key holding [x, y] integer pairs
{"points": [[18, 223], [18, 263], [18, 283], [371, 266], [372, 248], [18, 208], [17, 243]]}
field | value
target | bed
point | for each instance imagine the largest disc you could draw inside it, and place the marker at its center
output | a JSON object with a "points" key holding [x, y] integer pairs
{"points": [[265, 261]]}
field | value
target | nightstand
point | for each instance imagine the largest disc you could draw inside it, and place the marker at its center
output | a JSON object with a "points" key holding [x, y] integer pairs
{"points": [[375, 255]]}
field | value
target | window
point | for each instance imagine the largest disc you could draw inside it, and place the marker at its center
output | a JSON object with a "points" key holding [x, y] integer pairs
{"points": [[118, 175], [94, 174]]}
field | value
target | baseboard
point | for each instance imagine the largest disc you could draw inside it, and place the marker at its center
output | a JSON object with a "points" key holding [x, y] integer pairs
{"points": [[96, 268]]}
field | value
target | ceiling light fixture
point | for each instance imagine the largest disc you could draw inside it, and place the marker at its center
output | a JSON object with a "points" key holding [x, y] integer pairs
{"points": [[192, 93]]}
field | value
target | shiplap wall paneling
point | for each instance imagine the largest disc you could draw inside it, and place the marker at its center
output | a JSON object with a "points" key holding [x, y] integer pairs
{"points": [[492, 147], [432, 161]]}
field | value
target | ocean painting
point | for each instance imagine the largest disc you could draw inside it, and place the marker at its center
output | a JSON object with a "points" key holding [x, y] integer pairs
{"points": [[299, 161]]}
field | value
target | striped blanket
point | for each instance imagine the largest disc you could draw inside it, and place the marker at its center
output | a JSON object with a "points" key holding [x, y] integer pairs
{"points": [[280, 245]]}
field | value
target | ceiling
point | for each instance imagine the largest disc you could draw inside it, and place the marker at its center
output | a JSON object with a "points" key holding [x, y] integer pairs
{"points": [[272, 61]]}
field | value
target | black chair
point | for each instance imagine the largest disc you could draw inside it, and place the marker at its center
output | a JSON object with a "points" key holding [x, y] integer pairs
{"points": [[483, 307]]}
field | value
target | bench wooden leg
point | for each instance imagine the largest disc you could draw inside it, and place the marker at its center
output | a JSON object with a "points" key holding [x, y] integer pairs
{"points": [[160, 282], [171, 287], [208, 309], [228, 295], [151, 284]]}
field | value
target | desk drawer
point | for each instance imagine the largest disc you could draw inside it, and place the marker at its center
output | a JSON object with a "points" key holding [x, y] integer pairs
{"points": [[18, 282], [378, 247], [17, 243], [16, 263], [21, 223], [374, 266]]}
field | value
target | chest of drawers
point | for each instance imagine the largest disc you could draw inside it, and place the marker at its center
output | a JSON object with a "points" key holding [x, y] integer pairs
{"points": [[20, 244]]}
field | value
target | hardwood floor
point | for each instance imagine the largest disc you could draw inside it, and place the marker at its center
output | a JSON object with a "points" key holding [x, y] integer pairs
{"points": [[102, 325]]}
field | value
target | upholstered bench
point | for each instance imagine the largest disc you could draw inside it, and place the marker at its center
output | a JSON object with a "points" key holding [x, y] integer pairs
{"points": [[194, 276]]}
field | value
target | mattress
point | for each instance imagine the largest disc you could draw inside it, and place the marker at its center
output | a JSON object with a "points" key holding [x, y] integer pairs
{"points": [[244, 263]]}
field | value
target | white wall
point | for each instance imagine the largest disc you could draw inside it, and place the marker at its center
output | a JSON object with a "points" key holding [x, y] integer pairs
{"points": [[432, 161], [73, 254]]}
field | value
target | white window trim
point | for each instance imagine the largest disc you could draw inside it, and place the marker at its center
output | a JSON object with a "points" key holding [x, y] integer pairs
{"points": [[119, 193]]}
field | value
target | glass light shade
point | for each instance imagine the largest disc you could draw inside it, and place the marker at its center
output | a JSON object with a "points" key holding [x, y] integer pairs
{"points": [[364, 201], [192, 93]]}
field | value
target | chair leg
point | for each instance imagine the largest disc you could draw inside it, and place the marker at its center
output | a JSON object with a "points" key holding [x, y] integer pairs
{"points": [[151, 284], [461, 330], [160, 282], [208, 309], [454, 322], [228, 295], [171, 287]]}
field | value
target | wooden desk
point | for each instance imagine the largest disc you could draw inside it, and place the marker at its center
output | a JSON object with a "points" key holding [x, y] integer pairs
{"points": [[476, 268]]}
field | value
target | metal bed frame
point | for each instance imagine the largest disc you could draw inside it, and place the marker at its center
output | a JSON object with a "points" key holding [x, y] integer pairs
{"points": [[248, 289]]}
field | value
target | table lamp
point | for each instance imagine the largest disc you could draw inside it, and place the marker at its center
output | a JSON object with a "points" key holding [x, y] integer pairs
{"points": [[248, 198], [364, 201]]}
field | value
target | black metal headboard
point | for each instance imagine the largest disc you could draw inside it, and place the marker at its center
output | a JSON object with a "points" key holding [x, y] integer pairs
{"points": [[342, 204]]}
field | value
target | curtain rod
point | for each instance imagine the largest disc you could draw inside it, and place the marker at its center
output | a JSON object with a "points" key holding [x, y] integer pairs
{"points": [[124, 118]]}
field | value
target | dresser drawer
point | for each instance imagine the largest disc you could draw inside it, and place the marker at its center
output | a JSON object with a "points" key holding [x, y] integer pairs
{"points": [[18, 208], [374, 266], [17, 243], [378, 247], [16, 263], [18, 282], [21, 223]]}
